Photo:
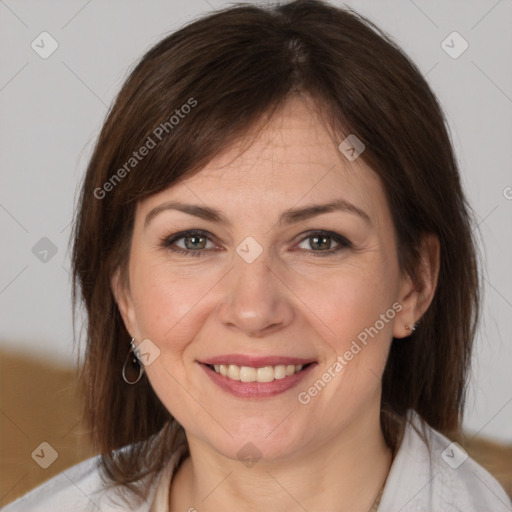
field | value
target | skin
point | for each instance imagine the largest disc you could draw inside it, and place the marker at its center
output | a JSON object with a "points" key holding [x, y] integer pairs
{"points": [[329, 454]]}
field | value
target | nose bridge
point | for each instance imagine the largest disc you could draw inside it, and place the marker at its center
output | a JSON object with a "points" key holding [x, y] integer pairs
{"points": [[254, 300]]}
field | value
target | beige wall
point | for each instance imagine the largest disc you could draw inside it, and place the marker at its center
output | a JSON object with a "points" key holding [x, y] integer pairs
{"points": [[38, 404]]}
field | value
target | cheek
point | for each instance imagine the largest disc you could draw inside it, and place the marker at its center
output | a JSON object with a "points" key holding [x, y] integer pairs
{"points": [[168, 312], [164, 298], [355, 304]]}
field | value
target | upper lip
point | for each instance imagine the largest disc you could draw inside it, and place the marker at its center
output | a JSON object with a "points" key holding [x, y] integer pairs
{"points": [[255, 361]]}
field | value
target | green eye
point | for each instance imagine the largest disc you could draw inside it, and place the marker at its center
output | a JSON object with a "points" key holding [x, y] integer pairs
{"points": [[195, 243], [321, 242], [189, 243]]}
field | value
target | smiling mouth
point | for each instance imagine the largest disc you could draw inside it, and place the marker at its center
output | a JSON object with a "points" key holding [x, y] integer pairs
{"points": [[261, 374]]}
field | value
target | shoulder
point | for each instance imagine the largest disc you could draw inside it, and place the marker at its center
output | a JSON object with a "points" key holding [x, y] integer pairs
{"points": [[432, 473], [79, 488]]}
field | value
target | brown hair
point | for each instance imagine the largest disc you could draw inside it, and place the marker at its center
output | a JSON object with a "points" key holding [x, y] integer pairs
{"points": [[234, 68]]}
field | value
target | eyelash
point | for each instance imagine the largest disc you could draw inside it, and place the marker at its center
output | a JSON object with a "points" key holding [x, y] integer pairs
{"points": [[168, 242]]}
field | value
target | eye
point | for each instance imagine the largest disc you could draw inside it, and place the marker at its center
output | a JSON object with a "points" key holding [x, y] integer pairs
{"points": [[190, 243], [198, 242], [321, 242]]}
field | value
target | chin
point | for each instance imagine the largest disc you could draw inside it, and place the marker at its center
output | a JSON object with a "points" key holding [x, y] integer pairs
{"points": [[259, 440]]}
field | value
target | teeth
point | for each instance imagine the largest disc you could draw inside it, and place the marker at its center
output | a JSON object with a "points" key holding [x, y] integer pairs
{"points": [[234, 372], [247, 374], [279, 371], [264, 374]]}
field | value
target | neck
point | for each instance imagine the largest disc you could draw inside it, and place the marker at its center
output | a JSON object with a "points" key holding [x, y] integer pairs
{"points": [[344, 474]]}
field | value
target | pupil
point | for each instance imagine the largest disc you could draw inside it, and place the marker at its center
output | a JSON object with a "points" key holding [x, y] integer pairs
{"points": [[322, 241], [192, 242]]}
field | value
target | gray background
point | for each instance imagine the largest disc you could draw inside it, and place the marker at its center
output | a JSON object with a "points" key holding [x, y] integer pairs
{"points": [[52, 110]]}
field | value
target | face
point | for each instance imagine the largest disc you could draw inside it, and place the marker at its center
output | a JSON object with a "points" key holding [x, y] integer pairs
{"points": [[233, 271]]}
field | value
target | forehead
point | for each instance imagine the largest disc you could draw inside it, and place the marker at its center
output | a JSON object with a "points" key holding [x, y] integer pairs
{"points": [[292, 159]]}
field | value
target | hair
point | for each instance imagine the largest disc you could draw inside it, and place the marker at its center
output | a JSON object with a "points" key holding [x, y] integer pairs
{"points": [[235, 68]]}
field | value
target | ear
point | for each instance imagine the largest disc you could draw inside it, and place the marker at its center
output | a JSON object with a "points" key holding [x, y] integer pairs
{"points": [[416, 295], [121, 291]]}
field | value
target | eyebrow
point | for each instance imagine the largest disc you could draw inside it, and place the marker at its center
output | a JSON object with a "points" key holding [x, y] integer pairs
{"points": [[290, 216]]}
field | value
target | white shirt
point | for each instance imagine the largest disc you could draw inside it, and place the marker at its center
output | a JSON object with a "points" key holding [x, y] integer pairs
{"points": [[442, 480]]}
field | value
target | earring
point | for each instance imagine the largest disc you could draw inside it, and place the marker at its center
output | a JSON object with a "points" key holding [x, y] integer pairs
{"points": [[409, 328], [132, 366]]}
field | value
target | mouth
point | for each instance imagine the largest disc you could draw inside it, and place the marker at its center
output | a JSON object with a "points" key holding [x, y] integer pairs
{"points": [[257, 379]]}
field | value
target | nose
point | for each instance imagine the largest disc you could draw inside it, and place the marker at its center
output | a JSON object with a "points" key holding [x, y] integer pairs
{"points": [[255, 301]]}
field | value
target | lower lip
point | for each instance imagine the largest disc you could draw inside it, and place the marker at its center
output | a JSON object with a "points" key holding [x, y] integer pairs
{"points": [[256, 389]]}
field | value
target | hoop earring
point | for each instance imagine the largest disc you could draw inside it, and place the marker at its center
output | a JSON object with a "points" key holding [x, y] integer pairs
{"points": [[135, 366]]}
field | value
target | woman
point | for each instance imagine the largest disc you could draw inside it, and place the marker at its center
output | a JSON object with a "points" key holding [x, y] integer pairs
{"points": [[276, 258]]}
